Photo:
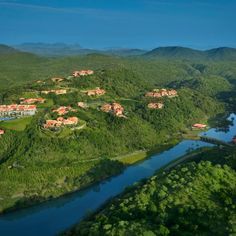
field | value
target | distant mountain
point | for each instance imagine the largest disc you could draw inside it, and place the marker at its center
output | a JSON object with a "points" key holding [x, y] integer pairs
{"points": [[175, 52], [124, 51], [62, 49], [223, 53], [4, 49], [54, 49]]}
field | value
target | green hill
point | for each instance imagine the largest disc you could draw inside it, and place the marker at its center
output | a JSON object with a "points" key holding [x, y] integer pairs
{"points": [[195, 198], [182, 53], [4, 49]]}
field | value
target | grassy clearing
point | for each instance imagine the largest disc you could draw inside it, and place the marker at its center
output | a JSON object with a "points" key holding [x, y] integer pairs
{"points": [[132, 158], [32, 94], [17, 125]]}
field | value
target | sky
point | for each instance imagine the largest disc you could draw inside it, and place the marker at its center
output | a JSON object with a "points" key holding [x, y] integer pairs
{"points": [[100, 24]]}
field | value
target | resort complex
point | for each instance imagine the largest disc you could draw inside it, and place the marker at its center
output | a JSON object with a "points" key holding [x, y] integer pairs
{"points": [[97, 91], [82, 73], [16, 110], [60, 121], [114, 108], [158, 93]]}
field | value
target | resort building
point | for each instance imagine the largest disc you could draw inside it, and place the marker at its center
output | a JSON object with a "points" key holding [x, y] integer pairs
{"points": [[82, 105], [114, 108], [158, 93], [199, 126], [32, 100], [56, 91], [60, 121], [157, 105], [64, 110], [97, 91], [82, 73], [2, 132], [15, 110]]}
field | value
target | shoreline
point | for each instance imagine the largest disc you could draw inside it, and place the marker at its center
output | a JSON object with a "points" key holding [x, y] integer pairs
{"points": [[148, 154]]}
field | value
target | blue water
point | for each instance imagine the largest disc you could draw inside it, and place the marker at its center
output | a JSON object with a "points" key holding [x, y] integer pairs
{"points": [[51, 217], [7, 118]]}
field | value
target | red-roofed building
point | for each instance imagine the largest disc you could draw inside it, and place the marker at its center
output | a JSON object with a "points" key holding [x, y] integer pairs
{"points": [[97, 91], [60, 121], [2, 131], [82, 73], [82, 105], [157, 105], [15, 110], [64, 110], [199, 126], [114, 108], [157, 93], [32, 100]]}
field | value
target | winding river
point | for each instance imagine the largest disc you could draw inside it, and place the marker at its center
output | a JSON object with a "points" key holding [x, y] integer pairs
{"points": [[54, 216]]}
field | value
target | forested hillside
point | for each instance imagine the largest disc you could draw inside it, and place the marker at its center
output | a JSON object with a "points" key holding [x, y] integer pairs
{"points": [[39, 164], [195, 198]]}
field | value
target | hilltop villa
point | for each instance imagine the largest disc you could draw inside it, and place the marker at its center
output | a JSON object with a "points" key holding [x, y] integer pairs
{"points": [[82, 73], [157, 105], [56, 91], [15, 110], [2, 132], [158, 93], [63, 110], [82, 105], [32, 100], [60, 121], [96, 91], [114, 108], [199, 126]]}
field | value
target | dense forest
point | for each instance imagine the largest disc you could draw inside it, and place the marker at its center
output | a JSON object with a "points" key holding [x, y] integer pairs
{"points": [[195, 198], [37, 164]]}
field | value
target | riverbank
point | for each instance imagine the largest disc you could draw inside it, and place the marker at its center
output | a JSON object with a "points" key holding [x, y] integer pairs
{"points": [[108, 169]]}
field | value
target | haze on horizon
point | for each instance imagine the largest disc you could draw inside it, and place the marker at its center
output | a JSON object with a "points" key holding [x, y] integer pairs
{"points": [[120, 23]]}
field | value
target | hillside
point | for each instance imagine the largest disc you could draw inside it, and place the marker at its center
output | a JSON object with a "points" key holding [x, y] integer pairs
{"points": [[99, 136], [182, 53], [85, 152], [4, 49], [195, 198]]}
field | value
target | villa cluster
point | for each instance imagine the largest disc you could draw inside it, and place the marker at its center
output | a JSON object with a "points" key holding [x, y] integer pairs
{"points": [[97, 91], [56, 91], [64, 110], [82, 73], [157, 105], [32, 100], [60, 121], [17, 110], [158, 93], [114, 108]]}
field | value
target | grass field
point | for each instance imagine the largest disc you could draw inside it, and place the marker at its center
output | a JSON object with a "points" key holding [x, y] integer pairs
{"points": [[132, 157], [17, 125]]}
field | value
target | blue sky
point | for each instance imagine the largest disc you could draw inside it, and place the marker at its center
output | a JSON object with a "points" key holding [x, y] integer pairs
{"points": [[120, 23]]}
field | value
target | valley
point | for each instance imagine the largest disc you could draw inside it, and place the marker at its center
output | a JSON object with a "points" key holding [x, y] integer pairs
{"points": [[87, 118]]}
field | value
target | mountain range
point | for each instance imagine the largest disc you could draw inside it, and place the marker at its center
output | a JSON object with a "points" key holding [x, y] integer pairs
{"points": [[168, 53]]}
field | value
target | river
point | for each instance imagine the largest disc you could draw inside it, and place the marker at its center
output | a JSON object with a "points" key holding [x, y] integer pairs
{"points": [[54, 216]]}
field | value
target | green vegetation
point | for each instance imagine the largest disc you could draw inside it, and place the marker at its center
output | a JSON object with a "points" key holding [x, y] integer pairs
{"points": [[194, 198], [17, 124], [33, 160]]}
